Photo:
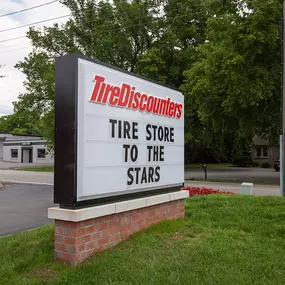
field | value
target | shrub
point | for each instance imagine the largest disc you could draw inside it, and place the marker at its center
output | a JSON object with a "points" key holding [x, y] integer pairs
{"points": [[255, 164], [241, 153], [265, 165], [243, 163]]}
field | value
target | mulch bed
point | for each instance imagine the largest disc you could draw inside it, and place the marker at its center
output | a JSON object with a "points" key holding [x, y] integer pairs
{"points": [[202, 191]]}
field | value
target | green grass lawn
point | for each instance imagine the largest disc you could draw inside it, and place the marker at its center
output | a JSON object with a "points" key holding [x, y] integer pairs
{"points": [[38, 169], [210, 165], [229, 240]]}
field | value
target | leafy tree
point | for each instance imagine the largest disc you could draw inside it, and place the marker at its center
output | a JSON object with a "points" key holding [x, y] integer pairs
{"points": [[115, 33], [18, 124], [224, 55], [38, 101], [235, 84], [174, 51]]}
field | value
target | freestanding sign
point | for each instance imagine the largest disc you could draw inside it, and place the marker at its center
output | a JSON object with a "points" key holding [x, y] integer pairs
{"points": [[117, 135]]}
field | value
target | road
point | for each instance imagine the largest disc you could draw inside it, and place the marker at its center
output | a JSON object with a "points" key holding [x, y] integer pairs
{"points": [[255, 175], [15, 176], [24, 207], [237, 174]]}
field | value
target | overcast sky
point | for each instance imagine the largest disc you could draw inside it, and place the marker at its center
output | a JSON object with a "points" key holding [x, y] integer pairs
{"points": [[13, 51]]}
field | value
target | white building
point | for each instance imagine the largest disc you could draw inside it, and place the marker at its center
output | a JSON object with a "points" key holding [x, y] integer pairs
{"points": [[3, 137], [24, 149]]}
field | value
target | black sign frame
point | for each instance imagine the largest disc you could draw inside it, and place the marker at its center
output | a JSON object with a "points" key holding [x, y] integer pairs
{"points": [[66, 108]]}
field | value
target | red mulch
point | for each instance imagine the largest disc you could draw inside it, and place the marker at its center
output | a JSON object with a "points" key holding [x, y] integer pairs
{"points": [[197, 191]]}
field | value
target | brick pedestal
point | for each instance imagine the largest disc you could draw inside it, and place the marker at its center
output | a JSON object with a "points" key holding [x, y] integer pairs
{"points": [[81, 233]]}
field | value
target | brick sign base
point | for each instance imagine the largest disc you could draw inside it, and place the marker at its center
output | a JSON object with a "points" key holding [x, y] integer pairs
{"points": [[77, 236]]}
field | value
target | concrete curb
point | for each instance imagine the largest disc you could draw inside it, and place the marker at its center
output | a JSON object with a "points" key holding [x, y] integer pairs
{"points": [[25, 182]]}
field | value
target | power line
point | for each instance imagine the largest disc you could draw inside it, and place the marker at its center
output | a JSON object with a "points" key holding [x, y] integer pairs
{"points": [[28, 9], [48, 3], [15, 49], [122, 2], [35, 23], [16, 45], [8, 40], [100, 26], [104, 25]]}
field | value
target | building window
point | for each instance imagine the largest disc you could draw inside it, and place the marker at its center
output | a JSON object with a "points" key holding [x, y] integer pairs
{"points": [[41, 153], [14, 153], [262, 151]]}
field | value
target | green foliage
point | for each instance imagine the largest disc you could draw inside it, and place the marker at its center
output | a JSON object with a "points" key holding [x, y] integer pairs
{"points": [[255, 164], [234, 239], [265, 165], [18, 124], [242, 155], [117, 33], [224, 55], [235, 83]]}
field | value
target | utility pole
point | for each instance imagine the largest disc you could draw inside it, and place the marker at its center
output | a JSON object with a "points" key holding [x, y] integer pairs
{"points": [[282, 136]]}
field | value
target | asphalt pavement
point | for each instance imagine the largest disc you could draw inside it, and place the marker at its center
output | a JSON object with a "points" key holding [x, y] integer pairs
{"points": [[24, 207], [18, 176], [236, 174]]}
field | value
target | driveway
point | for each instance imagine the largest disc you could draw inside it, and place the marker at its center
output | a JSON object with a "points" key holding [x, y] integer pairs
{"points": [[17, 176], [236, 174], [24, 207]]}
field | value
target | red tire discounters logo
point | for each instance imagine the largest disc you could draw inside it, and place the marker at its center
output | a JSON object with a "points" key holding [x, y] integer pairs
{"points": [[126, 96]]}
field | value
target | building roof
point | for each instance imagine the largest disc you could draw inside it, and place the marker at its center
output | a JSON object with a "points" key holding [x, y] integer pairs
{"points": [[260, 141], [11, 137], [2, 135], [23, 138]]}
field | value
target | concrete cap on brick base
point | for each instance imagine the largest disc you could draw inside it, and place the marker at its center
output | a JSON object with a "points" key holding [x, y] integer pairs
{"points": [[113, 208]]}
